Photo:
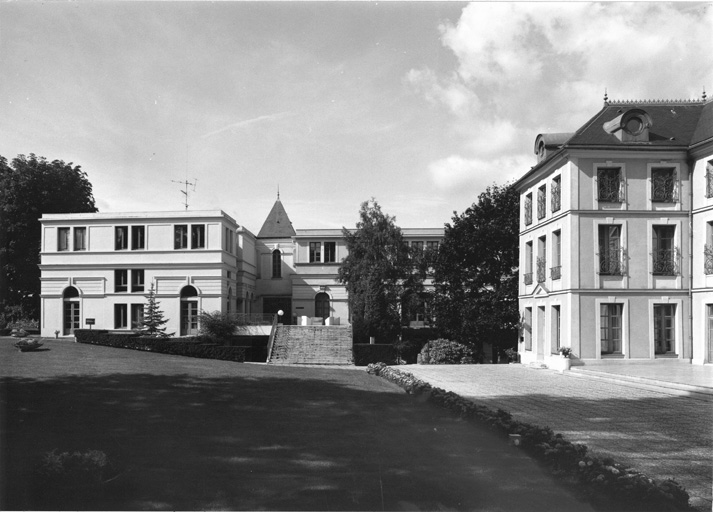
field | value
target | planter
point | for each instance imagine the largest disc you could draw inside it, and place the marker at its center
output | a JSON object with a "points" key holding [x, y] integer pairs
{"points": [[560, 363]]}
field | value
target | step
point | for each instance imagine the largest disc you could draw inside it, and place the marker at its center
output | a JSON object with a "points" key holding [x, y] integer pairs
{"points": [[673, 388]]}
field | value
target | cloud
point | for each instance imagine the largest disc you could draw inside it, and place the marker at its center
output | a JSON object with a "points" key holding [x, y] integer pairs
{"points": [[524, 68], [248, 122], [456, 172]]}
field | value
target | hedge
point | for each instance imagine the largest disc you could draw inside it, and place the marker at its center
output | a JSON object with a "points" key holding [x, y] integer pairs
{"points": [[190, 347], [365, 353], [604, 482]]}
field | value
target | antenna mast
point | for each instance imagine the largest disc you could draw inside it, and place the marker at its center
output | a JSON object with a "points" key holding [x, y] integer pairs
{"points": [[186, 184]]}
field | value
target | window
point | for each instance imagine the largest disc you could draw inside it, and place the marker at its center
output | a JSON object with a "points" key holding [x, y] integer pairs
{"points": [[198, 236], [664, 257], [416, 247], [137, 280], [62, 239], [330, 252], [709, 179], [80, 239], [611, 328], [664, 328], [121, 320], [276, 264], [541, 259], [138, 237], [137, 316], [180, 236], [610, 253], [121, 279], [556, 329], [315, 254], [555, 193], [528, 209], [610, 186], [528, 263], [709, 307], [541, 202], [556, 270], [527, 328], [121, 238], [664, 185], [432, 246]]}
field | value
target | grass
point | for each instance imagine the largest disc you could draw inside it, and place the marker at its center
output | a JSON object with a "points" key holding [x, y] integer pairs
{"points": [[205, 435]]}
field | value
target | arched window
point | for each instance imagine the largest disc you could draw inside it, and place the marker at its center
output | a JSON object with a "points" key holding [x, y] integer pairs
{"points": [[71, 310], [276, 263], [189, 311], [321, 305]]}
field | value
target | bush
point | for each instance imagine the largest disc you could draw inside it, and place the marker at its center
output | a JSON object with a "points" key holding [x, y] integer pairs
{"points": [[217, 325], [443, 351], [412, 341], [365, 354], [190, 347]]}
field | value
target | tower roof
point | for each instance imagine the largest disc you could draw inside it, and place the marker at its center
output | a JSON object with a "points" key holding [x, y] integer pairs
{"points": [[277, 224]]}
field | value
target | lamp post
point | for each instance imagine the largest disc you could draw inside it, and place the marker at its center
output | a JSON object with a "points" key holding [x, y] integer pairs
{"points": [[279, 316]]}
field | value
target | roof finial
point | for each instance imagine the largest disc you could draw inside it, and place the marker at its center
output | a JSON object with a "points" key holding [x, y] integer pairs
{"points": [[606, 97], [703, 96], [278, 191]]}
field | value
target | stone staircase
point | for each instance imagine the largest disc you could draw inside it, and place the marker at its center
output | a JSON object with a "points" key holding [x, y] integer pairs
{"points": [[313, 344]]}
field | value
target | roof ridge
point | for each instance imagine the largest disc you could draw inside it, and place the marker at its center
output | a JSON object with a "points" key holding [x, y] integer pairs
{"points": [[655, 102]]}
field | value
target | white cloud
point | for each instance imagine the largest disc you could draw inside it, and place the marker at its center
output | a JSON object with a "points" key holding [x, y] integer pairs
{"points": [[458, 173], [535, 67]]}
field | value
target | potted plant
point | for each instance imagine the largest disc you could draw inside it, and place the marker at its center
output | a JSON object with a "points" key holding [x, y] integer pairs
{"points": [[511, 354], [564, 362]]}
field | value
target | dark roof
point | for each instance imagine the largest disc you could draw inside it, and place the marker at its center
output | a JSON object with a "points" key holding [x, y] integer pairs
{"points": [[704, 130], [277, 224], [673, 124]]}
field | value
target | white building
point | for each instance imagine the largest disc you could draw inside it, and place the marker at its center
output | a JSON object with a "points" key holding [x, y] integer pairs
{"points": [[98, 267]]}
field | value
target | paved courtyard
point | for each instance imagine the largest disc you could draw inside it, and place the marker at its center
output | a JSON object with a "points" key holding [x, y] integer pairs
{"points": [[663, 435]]}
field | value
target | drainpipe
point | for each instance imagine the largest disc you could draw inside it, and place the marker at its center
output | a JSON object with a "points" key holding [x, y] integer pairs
{"points": [[691, 164]]}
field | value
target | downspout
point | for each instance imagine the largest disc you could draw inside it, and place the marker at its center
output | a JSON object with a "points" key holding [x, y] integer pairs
{"points": [[691, 164]]}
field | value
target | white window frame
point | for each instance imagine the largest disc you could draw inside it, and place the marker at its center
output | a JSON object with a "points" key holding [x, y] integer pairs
{"points": [[655, 205], [608, 221], [678, 327], [625, 339], [624, 205]]}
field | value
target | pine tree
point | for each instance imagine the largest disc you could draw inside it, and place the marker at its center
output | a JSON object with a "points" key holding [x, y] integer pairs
{"points": [[153, 321]]}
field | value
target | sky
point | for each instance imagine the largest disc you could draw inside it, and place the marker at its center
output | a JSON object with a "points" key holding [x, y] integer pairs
{"points": [[420, 105]]}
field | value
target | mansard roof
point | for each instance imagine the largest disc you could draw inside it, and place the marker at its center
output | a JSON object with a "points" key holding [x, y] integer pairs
{"points": [[277, 224], [673, 123]]}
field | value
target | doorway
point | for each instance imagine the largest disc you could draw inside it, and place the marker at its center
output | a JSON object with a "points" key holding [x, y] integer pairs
{"points": [[189, 311], [321, 306]]}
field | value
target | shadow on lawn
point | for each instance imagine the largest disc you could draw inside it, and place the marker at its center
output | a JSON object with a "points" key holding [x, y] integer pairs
{"points": [[257, 441]]}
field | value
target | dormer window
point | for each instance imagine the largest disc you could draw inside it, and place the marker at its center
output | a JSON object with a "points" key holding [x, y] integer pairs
{"points": [[631, 126]]}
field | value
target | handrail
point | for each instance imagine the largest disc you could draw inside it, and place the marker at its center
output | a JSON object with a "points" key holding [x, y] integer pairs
{"points": [[271, 339]]}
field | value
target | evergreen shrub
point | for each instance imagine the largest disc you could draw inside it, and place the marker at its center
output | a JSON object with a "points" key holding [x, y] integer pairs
{"points": [[442, 351], [365, 354]]}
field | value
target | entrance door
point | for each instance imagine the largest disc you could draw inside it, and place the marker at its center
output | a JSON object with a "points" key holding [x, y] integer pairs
{"points": [[71, 316], [189, 318], [321, 305], [664, 321], [540, 340]]}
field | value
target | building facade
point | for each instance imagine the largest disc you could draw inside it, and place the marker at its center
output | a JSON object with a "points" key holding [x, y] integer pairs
{"points": [[616, 236], [97, 268]]}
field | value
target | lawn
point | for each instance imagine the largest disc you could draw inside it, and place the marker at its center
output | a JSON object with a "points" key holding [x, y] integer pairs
{"points": [[197, 434]]}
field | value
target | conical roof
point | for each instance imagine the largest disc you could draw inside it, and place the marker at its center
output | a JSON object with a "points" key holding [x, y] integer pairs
{"points": [[277, 224]]}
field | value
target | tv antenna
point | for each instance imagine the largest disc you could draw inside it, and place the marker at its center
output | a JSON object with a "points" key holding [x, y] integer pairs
{"points": [[186, 184]]}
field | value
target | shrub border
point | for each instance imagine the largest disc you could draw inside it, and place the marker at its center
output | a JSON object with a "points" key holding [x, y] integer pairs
{"points": [[190, 347], [603, 481]]}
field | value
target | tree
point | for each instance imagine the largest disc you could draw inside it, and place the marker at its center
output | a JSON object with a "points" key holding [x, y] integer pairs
{"points": [[153, 321], [29, 187], [475, 274], [375, 273]]}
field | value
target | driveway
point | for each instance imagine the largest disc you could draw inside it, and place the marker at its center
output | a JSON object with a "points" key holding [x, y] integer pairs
{"points": [[662, 435]]}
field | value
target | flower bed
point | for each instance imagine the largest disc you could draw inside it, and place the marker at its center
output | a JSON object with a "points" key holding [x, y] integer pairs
{"points": [[190, 347], [603, 481]]}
